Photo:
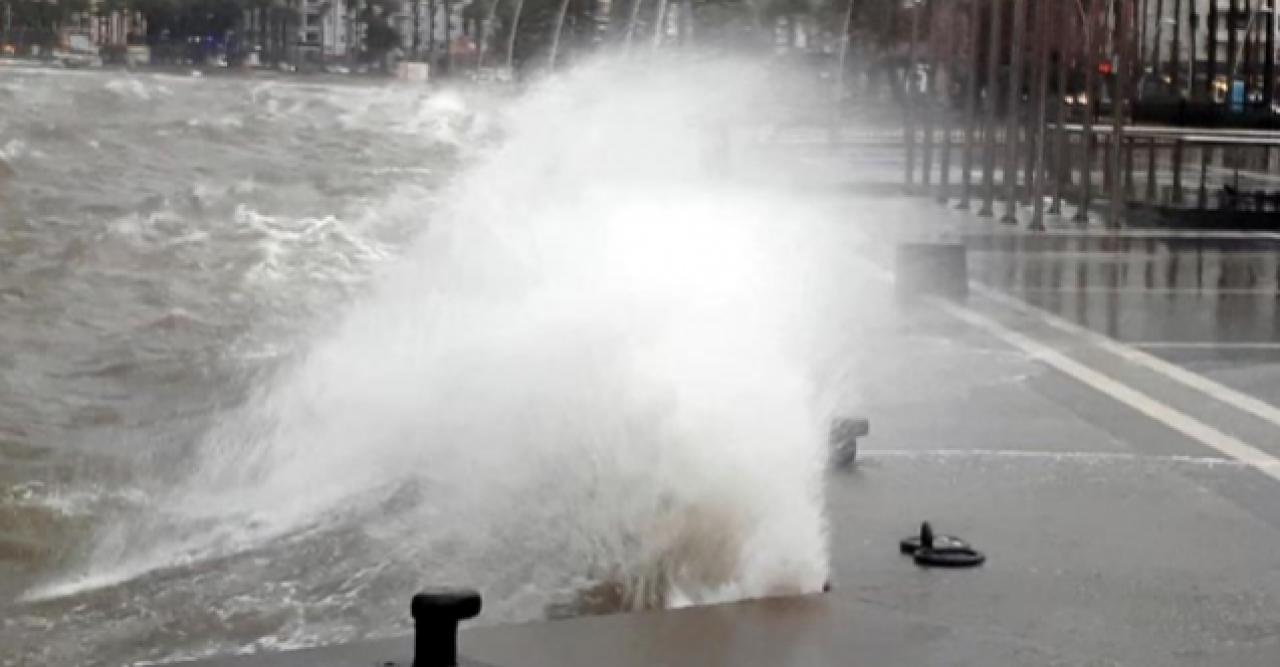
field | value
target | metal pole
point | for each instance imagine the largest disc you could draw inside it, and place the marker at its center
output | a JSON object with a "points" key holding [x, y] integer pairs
{"points": [[1211, 71], [1177, 171], [971, 103], [660, 23], [1245, 62], [1155, 42], [555, 36], [1269, 62], [1232, 11], [1151, 171], [1091, 42], [631, 23], [1015, 91], [511, 36], [909, 128], [944, 114], [1175, 48], [989, 110], [843, 58], [1118, 98], [1060, 146], [1042, 91], [928, 100], [1141, 31]]}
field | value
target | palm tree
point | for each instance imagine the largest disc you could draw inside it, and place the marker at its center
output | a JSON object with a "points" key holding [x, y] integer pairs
{"points": [[511, 36], [555, 35]]}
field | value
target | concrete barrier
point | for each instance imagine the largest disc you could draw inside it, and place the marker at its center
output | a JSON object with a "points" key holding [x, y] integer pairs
{"points": [[414, 72], [932, 269]]}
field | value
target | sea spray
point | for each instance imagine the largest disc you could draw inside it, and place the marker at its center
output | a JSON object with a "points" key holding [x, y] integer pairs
{"points": [[594, 367]]}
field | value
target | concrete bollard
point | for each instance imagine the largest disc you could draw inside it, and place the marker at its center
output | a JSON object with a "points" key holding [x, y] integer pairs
{"points": [[436, 614], [932, 269]]}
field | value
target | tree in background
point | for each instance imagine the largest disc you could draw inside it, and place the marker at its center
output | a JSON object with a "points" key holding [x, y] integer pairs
{"points": [[380, 37]]}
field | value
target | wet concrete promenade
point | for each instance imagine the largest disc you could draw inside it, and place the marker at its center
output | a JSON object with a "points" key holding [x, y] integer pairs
{"points": [[1098, 417]]}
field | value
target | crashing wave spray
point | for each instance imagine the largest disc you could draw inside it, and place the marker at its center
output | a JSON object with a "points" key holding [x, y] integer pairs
{"points": [[593, 368]]}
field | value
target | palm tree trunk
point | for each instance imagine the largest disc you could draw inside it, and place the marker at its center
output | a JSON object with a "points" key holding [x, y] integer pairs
{"points": [[431, 31], [555, 37], [659, 23], [631, 23], [971, 106], [1039, 99], [511, 38], [1092, 42], [484, 33], [989, 111], [448, 37], [1012, 125], [417, 19]]}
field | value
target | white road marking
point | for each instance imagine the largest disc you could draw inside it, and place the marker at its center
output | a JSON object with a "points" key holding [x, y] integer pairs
{"points": [[1161, 412], [1151, 291], [1080, 457], [1201, 345], [1216, 390]]}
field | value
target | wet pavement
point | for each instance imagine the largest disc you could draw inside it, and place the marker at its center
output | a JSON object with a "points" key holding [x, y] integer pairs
{"points": [[1097, 417], [1113, 536]]}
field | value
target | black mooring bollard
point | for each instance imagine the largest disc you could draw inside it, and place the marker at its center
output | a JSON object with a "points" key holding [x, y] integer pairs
{"points": [[436, 614]]}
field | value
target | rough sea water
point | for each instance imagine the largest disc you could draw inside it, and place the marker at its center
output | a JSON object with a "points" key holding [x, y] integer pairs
{"points": [[274, 354]]}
